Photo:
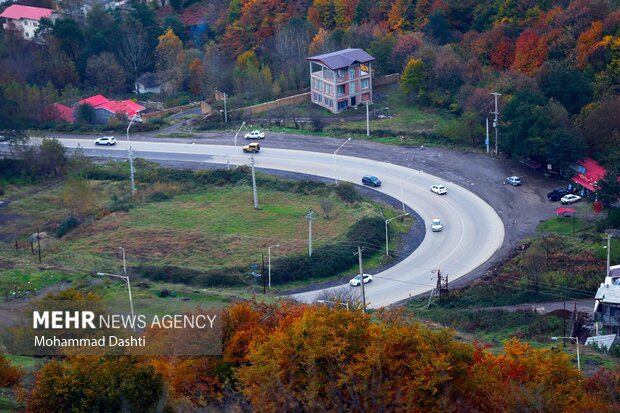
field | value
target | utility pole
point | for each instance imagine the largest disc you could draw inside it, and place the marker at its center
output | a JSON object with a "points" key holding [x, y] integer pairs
{"points": [[254, 185], [496, 120], [132, 172], [310, 217], [124, 262], [269, 261], [487, 139], [361, 264]]}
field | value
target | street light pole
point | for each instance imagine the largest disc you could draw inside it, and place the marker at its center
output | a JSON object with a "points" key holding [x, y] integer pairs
{"points": [[387, 221], [335, 152], [269, 261], [310, 217], [124, 262], [225, 110], [576, 339], [126, 279], [238, 133], [367, 121], [132, 170]]}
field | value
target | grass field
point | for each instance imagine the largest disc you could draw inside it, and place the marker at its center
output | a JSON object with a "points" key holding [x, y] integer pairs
{"points": [[207, 229]]}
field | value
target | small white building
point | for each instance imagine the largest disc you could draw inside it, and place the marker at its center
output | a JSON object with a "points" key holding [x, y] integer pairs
{"points": [[607, 302], [25, 19]]}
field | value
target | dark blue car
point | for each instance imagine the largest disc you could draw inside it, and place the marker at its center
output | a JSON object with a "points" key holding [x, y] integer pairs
{"points": [[371, 181]]}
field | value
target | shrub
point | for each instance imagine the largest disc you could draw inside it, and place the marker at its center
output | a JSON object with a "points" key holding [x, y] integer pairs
{"points": [[67, 225], [224, 277], [347, 192], [9, 375], [158, 197], [332, 259]]}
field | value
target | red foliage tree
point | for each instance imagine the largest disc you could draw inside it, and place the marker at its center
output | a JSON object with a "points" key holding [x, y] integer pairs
{"points": [[530, 53]]}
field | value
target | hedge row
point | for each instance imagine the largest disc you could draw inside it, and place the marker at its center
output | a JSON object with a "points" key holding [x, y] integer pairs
{"points": [[333, 258]]}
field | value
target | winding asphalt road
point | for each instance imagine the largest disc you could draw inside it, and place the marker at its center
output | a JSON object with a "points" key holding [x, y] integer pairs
{"points": [[473, 231]]}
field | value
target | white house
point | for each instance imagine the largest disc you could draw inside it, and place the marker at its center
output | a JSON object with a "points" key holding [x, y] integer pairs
{"points": [[25, 19]]}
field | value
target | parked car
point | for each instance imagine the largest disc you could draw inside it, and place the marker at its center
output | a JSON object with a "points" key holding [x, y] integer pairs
{"points": [[355, 281], [371, 181], [436, 225], [255, 134], [513, 180], [570, 199], [252, 148], [439, 189], [106, 140], [557, 194]]}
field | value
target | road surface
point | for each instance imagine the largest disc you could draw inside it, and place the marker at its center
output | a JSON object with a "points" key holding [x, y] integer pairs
{"points": [[472, 233]]}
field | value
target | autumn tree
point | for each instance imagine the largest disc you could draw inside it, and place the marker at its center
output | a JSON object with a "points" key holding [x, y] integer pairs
{"points": [[169, 62], [587, 43], [105, 73], [322, 14], [530, 52], [9, 374], [197, 78], [413, 80], [97, 384], [502, 54], [251, 78]]}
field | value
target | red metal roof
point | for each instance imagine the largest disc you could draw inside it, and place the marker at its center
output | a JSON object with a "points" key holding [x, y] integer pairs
{"points": [[94, 101], [562, 210], [17, 11], [122, 106], [589, 173], [64, 112]]}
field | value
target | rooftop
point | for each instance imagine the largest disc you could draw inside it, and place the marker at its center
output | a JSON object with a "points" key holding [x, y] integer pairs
{"points": [[342, 58], [17, 11]]}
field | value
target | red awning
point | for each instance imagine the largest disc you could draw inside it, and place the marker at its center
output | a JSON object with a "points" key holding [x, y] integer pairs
{"points": [[580, 181], [561, 210]]}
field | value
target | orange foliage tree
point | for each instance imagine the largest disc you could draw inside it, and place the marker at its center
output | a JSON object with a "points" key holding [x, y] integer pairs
{"points": [[587, 43], [530, 53]]}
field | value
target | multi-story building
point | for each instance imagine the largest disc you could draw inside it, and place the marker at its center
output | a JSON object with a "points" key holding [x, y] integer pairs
{"points": [[341, 79], [607, 303], [25, 19]]}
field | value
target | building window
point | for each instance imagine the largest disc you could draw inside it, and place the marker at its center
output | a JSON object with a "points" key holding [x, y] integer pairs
{"points": [[365, 83], [364, 70], [341, 73], [320, 98], [352, 88], [340, 90], [351, 73], [329, 102], [342, 105]]}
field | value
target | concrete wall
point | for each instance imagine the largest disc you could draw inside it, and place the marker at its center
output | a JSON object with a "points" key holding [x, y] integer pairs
{"points": [[147, 116], [385, 80], [274, 104]]}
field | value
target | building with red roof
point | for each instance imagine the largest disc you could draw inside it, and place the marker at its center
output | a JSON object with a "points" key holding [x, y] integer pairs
{"points": [[589, 172], [105, 109], [94, 101], [25, 19]]}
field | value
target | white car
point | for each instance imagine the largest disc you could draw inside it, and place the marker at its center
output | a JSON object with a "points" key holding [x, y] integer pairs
{"points": [[355, 281], [513, 180], [436, 225], [439, 189], [570, 199], [255, 134], [106, 140]]}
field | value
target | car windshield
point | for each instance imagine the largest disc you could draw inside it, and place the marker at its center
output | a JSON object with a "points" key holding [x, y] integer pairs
{"points": [[436, 222]]}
